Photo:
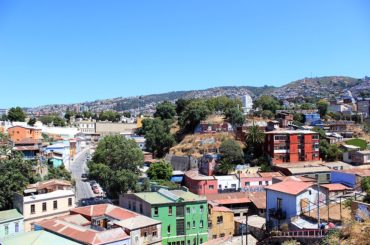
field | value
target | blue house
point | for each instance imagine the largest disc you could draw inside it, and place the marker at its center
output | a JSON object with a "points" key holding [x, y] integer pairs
{"points": [[289, 199], [312, 119], [11, 222], [58, 153]]}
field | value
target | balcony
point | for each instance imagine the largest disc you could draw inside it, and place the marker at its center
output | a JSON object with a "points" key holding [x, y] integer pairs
{"points": [[278, 214]]}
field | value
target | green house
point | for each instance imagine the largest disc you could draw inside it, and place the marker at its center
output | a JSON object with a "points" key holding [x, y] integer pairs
{"points": [[182, 213]]}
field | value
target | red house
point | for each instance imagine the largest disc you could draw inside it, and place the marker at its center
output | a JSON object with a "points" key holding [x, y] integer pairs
{"points": [[291, 146], [200, 184]]}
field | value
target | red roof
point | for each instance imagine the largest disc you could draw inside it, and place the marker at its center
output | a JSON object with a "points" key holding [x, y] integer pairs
{"points": [[258, 199], [294, 178], [104, 209], [83, 234], [229, 198], [335, 187], [290, 187]]}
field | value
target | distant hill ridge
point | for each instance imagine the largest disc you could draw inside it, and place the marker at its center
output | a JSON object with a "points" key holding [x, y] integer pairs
{"points": [[328, 86]]}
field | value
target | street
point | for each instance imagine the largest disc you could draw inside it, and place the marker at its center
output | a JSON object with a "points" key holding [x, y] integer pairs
{"points": [[78, 166]]}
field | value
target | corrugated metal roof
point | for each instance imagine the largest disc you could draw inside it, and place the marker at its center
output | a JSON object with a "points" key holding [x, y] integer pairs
{"points": [[37, 238], [11, 214], [290, 187]]}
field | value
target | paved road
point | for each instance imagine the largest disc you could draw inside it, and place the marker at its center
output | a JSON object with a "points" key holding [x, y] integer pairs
{"points": [[78, 166]]}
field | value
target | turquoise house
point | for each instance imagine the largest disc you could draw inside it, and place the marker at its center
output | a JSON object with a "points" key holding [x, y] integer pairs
{"points": [[11, 223]]}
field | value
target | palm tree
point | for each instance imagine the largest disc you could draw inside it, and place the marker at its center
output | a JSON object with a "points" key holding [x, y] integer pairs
{"points": [[255, 140]]}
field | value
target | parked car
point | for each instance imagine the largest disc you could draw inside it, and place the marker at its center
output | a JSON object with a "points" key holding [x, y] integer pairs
{"points": [[93, 201], [83, 176]]}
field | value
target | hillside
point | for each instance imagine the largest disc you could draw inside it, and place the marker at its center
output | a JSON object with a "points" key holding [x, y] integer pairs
{"points": [[328, 87]]}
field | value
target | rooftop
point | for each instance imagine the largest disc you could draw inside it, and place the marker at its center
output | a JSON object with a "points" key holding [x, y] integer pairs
{"points": [[195, 175], [229, 198], [104, 209], [335, 187], [270, 174], [302, 170], [37, 238], [290, 187], [54, 194], [163, 196], [294, 178], [8, 215], [291, 132], [258, 199], [137, 222], [49, 183]]}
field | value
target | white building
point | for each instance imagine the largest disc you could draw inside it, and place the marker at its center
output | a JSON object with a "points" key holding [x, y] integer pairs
{"points": [[227, 182], [247, 103]]}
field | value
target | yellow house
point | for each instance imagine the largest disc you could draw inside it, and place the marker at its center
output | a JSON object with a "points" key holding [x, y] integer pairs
{"points": [[221, 221], [44, 200]]}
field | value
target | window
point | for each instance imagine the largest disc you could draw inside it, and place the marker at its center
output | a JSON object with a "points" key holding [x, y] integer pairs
{"points": [[193, 210], [309, 192], [315, 136], [211, 187], [220, 219], [279, 137], [193, 224], [328, 176], [155, 211], [266, 182], [32, 208], [168, 229], [6, 229], [170, 210], [222, 234], [188, 242], [194, 241], [188, 210], [247, 183], [44, 207], [279, 202], [259, 182], [16, 227], [134, 206], [154, 233], [201, 240], [233, 186], [145, 234], [182, 242], [201, 224], [69, 201], [188, 225], [129, 205], [214, 236], [55, 204], [141, 208], [219, 186], [201, 208]]}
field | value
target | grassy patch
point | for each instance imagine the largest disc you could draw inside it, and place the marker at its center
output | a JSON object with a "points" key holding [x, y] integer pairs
{"points": [[357, 142]]}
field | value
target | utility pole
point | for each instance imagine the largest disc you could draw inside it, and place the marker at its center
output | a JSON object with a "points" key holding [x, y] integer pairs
{"points": [[318, 202], [246, 229]]}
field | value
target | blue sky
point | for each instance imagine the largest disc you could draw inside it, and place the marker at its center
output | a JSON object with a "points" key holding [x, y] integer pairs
{"points": [[66, 51]]}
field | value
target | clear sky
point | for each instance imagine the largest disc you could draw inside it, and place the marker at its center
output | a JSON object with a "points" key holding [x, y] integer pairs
{"points": [[65, 51]]}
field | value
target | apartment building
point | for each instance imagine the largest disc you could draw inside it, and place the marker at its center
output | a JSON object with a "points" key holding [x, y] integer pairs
{"points": [[291, 146], [44, 200], [220, 221], [20, 133], [182, 213]]}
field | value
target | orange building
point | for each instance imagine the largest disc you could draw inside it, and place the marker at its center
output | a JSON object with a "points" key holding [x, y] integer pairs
{"points": [[291, 146], [21, 133]]}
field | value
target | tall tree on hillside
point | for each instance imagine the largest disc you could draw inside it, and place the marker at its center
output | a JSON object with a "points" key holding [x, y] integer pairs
{"points": [[158, 137], [254, 140], [32, 121], [165, 110], [235, 116], [193, 113], [16, 114], [231, 155], [181, 105], [266, 102], [322, 106]]}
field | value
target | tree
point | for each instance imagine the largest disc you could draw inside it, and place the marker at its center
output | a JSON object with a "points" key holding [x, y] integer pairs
{"points": [[116, 163], [117, 152], [307, 106], [111, 116], [231, 155], [193, 113], [127, 114], [161, 170], [15, 176], [267, 114], [322, 106], [235, 116], [222, 104], [32, 121], [52, 119], [266, 102], [254, 140], [329, 152], [157, 135], [16, 114], [58, 173], [165, 110], [181, 104]]}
